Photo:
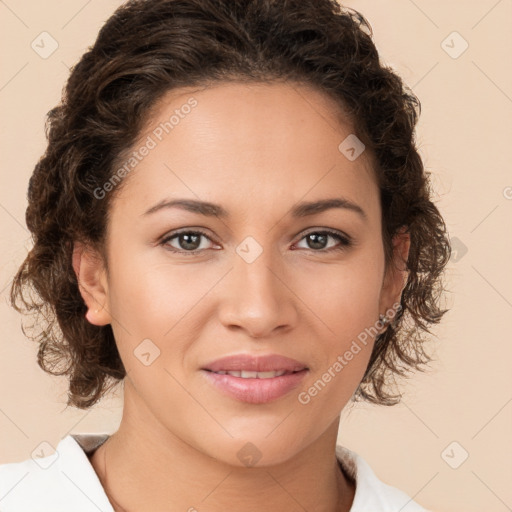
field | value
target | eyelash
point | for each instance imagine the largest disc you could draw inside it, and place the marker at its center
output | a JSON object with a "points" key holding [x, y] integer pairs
{"points": [[345, 241]]}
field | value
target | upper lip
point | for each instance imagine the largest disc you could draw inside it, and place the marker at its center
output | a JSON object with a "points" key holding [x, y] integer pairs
{"points": [[247, 362]]}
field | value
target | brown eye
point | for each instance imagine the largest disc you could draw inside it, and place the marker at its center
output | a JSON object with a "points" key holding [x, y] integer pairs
{"points": [[187, 242], [318, 240]]}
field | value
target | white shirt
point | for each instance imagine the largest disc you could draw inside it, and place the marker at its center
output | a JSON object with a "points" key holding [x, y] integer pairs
{"points": [[66, 481]]}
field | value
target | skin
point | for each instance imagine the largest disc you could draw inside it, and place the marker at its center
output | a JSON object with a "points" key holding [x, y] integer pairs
{"points": [[257, 150]]}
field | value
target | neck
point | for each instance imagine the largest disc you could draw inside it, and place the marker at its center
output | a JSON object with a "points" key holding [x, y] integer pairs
{"points": [[145, 467]]}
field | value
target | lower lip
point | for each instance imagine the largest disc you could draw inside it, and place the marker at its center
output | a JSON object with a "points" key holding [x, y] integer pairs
{"points": [[255, 391]]}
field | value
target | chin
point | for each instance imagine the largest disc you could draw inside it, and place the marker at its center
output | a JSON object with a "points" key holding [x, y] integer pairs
{"points": [[257, 450]]}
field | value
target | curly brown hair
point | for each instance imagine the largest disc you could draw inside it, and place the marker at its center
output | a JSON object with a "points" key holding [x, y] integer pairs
{"points": [[145, 49]]}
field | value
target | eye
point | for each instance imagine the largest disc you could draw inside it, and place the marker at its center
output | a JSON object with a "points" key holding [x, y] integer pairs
{"points": [[318, 239], [189, 241]]}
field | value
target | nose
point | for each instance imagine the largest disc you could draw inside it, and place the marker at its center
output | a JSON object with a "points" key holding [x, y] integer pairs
{"points": [[257, 297]]}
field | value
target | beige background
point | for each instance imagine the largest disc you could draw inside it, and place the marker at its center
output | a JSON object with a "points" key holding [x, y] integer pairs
{"points": [[465, 138]]}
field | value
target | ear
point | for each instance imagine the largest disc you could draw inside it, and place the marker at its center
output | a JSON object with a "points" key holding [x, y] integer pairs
{"points": [[396, 275], [92, 283]]}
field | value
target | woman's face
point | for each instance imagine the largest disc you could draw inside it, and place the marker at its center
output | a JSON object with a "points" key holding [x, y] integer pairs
{"points": [[262, 279]]}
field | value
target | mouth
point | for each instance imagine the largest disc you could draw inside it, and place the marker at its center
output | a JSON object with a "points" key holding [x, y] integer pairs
{"points": [[246, 374], [255, 379], [250, 366]]}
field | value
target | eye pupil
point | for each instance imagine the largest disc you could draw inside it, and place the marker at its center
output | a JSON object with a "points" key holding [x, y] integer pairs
{"points": [[186, 237], [189, 242], [314, 237]]}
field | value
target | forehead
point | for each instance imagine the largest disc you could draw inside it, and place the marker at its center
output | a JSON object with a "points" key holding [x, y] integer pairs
{"points": [[234, 141]]}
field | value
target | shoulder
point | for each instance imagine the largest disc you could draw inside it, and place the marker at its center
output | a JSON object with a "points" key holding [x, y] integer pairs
{"points": [[54, 482], [371, 493]]}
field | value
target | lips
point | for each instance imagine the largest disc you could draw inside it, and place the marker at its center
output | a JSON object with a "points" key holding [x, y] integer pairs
{"points": [[248, 363], [255, 379], [254, 375]]}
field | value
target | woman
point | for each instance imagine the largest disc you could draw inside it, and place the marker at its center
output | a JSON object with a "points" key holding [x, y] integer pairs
{"points": [[232, 219]]}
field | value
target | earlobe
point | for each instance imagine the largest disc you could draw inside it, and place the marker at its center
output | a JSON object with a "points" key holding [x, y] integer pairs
{"points": [[401, 247], [397, 274], [90, 274]]}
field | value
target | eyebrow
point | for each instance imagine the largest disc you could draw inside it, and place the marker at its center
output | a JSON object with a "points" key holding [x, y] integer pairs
{"points": [[302, 209]]}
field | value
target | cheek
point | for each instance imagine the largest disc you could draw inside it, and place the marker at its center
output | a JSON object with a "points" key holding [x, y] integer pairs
{"points": [[342, 298], [345, 348], [150, 293], [159, 302], [344, 304]]}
